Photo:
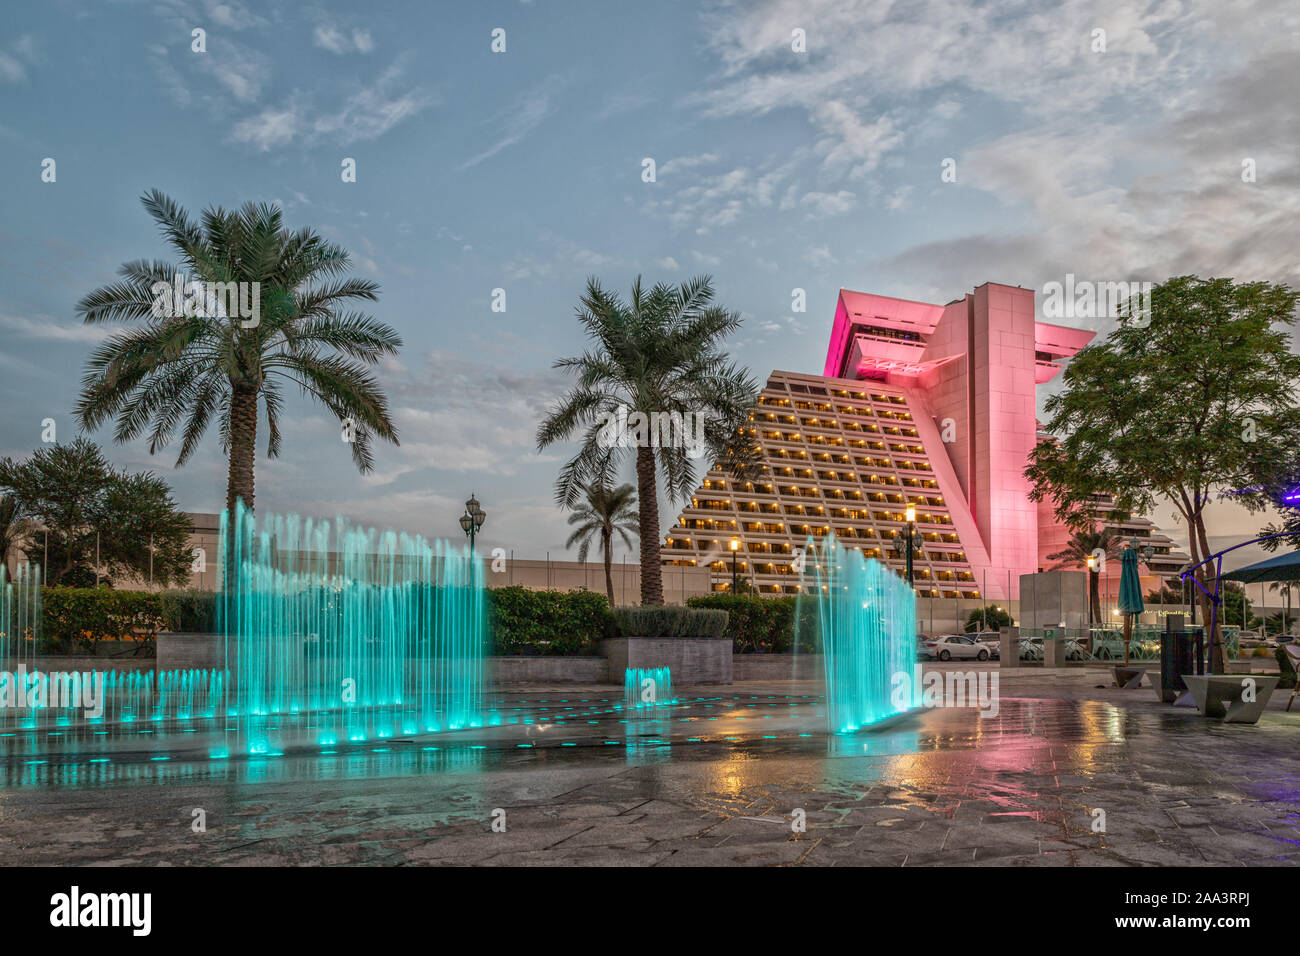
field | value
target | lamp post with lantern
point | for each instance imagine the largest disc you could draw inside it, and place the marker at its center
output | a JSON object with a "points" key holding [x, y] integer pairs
{"points": [[907, 545], [472, 520], [735, 546]]}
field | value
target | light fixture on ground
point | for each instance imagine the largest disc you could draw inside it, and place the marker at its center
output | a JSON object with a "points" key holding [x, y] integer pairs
{"points": [[472, 520]]}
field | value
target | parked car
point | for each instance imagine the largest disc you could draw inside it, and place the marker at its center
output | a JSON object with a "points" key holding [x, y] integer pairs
{"points": [[956, 646]]}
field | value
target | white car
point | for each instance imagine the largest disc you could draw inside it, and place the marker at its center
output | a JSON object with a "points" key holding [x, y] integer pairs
{"points": [[959, 646]]}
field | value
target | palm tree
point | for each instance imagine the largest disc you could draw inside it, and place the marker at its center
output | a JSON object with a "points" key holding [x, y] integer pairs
{"points": [[181, 369], [1285, 587], [606, 511], [657, 354], [15, 526], [1081, 546]]}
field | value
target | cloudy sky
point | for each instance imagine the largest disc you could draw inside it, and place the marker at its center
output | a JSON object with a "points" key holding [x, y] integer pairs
{"points": [[1103, 139]]}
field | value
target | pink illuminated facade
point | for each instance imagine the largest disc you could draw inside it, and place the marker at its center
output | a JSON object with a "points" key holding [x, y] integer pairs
{"points": [[922, 404]]}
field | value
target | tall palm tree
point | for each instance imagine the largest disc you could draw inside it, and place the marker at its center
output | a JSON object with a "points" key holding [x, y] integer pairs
{"points": [[177, 370], [658, 353], [606, 511], [1080, 547], [15, 526], [1285, 587]]}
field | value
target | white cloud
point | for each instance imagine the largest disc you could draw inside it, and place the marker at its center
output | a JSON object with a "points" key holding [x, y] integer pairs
{"points": [[821, 205], [526, 116], [342, 41]]}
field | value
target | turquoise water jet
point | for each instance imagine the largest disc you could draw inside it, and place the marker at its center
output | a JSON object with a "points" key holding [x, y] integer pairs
{"points": [[863, 619], [20, 614], [647, 687], [343, 634]]}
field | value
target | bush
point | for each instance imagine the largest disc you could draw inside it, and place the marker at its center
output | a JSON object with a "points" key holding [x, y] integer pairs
{"points": [[189, 610], [1285, 667], [540, 623], [76, 619], [759, 625], [670, 621]]}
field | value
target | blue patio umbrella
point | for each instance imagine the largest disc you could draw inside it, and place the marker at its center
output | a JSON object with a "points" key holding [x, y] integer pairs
{"points": [[1130, 593], [1130, 587]]}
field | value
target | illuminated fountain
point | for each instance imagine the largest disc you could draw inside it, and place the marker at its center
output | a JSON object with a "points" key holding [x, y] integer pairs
{"points": [[647, 687], [329, 635], [341, 634], [20, 614], [863, 619]]}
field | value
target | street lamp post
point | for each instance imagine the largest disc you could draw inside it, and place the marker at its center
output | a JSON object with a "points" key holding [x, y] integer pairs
{"points": [[1092, 564], [472, 520], [901, 544], [735, 546]]}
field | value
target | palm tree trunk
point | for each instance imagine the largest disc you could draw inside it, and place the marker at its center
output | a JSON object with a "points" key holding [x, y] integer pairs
{"points": [[652, 581], [606, 540], [243, 446]]}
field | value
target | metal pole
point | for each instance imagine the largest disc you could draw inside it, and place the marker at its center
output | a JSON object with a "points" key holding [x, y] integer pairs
{"points": [[150, 560], [96, 559]]}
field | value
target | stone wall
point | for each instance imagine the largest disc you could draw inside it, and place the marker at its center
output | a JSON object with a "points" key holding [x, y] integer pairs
{"points": [[691, 660]]}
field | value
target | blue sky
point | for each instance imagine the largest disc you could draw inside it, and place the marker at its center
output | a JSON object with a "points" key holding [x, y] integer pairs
{"points": [[522, 170]]}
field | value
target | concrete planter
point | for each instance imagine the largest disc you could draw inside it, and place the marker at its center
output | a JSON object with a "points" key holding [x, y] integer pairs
{"points": [[691, 660]]}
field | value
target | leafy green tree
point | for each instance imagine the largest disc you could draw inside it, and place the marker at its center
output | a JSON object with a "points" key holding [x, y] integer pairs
{"points": [[87, 506], [991, 618], [1194, 401], [606, 512], [1081, 546], [657, 354], [14, 527], [182, 371]]}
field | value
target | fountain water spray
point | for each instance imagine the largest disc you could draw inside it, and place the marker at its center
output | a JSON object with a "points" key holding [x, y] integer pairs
{"points": [[863, 618], [647, 687], [346, 634]]}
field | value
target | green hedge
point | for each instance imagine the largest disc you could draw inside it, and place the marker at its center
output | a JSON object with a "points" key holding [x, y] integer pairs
{"points": [[528, 623], [76, 619], [670, 621], [188, 610], [760, 625]]}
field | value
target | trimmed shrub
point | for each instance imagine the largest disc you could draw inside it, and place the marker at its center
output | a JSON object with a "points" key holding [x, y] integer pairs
{"points": [[1285, 667], [762, 625], [188, 610], [76, 619], [543, 623], [671, 621]]}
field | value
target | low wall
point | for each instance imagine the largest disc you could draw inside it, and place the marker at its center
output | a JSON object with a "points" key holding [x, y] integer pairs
{"points": [[59, 662], [691, 660], [776, 667], [548, 670], [182, 652]]}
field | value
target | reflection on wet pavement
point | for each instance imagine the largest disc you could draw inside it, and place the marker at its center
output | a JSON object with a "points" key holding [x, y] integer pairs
{"points": [[714, 780]]}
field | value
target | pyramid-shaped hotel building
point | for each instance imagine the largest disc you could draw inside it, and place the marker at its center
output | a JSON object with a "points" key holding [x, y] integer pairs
{"points": [[927, 404]]}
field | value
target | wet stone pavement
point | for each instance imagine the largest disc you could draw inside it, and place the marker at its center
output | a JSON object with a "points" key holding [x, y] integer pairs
{"points": [[716, 780]]}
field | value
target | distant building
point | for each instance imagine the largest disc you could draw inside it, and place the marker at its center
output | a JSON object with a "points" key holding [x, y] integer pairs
{"points": [[922, 404]]}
